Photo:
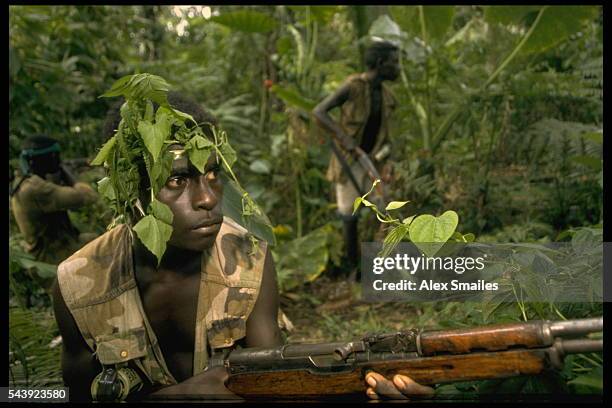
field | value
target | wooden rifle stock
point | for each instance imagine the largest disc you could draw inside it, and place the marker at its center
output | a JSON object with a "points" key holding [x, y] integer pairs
{"points": [[435, 357]]}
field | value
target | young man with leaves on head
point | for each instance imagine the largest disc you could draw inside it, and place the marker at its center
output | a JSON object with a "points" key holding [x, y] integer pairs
{"points": [[366, 105], [145, 307]]}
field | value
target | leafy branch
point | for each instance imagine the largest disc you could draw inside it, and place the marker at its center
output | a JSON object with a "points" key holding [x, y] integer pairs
{"points": [[427, 232]]}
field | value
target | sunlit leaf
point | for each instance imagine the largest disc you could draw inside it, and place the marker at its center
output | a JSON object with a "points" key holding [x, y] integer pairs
{"points": [[104, 152], [105, 188], [228, 153], [430, 233], [394, 205], [249, 21], [154, 234], [357, 204]]}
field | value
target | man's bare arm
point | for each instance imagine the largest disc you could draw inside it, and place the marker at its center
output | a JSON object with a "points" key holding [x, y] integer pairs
{"points": [[262, 326], [321, 114]]}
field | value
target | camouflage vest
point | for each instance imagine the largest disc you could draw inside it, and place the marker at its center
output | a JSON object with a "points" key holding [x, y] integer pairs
{"points": [[354, 115], [99, 287]]}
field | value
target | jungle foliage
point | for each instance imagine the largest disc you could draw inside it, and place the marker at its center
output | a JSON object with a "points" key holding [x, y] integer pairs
{"points": [[499, 120]]}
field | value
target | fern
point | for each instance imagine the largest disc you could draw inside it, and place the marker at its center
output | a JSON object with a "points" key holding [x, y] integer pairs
{"points": [[32, 362]]}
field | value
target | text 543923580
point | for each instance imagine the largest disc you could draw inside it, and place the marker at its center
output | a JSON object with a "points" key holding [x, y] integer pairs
{"points": [[34, 394]]}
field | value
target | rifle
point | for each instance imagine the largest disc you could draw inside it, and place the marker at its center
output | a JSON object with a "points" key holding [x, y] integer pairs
{"points": [[428, 357], [367, 165]]}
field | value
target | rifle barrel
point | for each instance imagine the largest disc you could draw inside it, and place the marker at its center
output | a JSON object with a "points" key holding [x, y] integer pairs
{"points": [[581, 346], [576, 327]]}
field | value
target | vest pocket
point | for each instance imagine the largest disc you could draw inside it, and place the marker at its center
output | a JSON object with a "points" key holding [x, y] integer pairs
{"points": [[121, 347], [227, 316]]}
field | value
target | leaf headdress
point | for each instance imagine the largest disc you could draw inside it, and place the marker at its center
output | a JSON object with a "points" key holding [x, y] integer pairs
{"points": [[148, 126]]}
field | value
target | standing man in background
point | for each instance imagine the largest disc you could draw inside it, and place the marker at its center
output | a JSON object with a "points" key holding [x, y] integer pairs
{"points": [[366, 105], [40, 197]]}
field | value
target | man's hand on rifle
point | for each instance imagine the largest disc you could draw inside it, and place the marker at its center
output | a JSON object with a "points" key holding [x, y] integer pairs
{"points": [[402, 387], [209, 384]]}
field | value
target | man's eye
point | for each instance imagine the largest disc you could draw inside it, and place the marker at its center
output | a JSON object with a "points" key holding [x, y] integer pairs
{"points": [[176, 181], [213, 173]]}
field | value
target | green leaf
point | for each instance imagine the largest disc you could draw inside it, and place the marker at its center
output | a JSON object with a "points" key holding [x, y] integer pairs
{"points": [[469, 237], [154, 134], [202, 143], [119, 87], [558, 23], [162, 212], [144, 86], [304, 259], [199, 155], [258, 224], [249, 21], [592, 380], [105, 188], [164, 118], [408, 220], [283, 45], [437, 20], [430, 233], [228, 153], [152, 137], [160, 171], [149, 112], [508, 14], [394, 237], [154, 234], [369, 203], [292, 97], [182, 116], [104, 152], [324, 14], [394, 205], [406, 17], [151, 87], [596, 137], [45, 270], [592, 162], [357, 204], [260, 166]]}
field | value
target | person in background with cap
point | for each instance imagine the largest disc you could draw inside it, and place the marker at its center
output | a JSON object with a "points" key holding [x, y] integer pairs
{"points": [[40, 197], [363, 128]]}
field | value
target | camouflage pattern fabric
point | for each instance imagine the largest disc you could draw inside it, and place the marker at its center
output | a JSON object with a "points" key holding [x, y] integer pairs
{"points": [[99, 287], [354, 116]]}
